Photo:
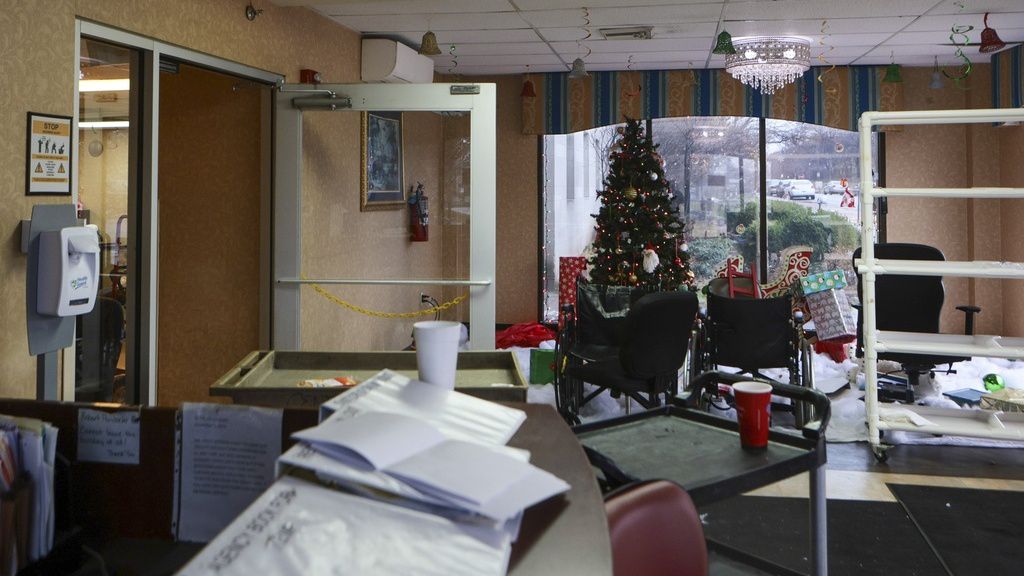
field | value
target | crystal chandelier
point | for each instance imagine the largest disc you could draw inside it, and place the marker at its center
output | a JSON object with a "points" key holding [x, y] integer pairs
{"points": [[767, 63]]}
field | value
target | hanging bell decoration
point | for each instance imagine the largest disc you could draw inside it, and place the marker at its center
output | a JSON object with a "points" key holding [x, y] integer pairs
{"points": [[724, 44], [990, 41], [579, 69], [892, 74], [428, 46]]}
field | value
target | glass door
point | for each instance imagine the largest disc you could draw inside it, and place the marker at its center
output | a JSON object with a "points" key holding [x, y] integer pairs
{"points": [[107, 195], [405, 231]]}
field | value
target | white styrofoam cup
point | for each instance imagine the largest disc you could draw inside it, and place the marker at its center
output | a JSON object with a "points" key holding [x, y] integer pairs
{"points": [[437, 351]]}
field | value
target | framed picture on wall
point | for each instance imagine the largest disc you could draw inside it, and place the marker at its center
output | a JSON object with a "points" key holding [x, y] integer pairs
{"points": [[48, 155], [383, 178]]}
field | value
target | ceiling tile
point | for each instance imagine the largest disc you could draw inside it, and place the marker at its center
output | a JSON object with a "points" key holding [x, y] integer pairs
{"points": [[631, 16], [446, 37], [821, 9], [997, 21], [637, 46], [978, 7], [488, 48], [445, 60], [407, 22], [812, 28], [563, 4], [408, 7]]}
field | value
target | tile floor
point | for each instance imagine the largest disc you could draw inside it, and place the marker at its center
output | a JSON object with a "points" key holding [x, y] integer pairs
{"points": [[857, 485]]}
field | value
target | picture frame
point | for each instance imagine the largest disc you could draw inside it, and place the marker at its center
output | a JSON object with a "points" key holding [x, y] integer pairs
{"points": [[382, 175], [48, 154]]}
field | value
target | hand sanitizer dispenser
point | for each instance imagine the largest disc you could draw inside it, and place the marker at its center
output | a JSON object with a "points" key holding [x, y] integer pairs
{"points": [[69, 262]]}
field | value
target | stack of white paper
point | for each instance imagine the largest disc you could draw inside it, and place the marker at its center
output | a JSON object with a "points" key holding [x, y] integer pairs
{"points": [[456, 415], [493, 481], [299, 528]]}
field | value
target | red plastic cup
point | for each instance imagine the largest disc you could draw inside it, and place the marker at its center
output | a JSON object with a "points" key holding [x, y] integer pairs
{"points": [[754, 408]]}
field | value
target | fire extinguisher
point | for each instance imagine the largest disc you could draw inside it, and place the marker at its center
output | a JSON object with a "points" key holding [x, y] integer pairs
{"points": [[418, 216]]}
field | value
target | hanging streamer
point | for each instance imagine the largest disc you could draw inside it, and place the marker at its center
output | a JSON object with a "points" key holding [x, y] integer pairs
{"points": [[455, 58], [586, 28], [825, 33], [639, 87], [961, 31]]}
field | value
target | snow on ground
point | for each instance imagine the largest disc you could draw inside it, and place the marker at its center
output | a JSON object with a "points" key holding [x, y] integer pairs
{"points": [[833, 378]]}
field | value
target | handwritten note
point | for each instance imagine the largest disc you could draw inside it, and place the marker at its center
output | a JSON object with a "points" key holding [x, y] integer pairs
{"points": [[108, 437]]}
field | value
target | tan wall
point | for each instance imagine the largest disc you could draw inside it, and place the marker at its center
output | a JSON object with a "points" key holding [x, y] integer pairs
{"points": [[209, 229], [339, 241], [1011, 173], [948, 156], [37, 49]]}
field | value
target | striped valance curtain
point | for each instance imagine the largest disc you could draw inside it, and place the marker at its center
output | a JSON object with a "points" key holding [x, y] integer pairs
{"points": [[565, 105], [1008, 78]]}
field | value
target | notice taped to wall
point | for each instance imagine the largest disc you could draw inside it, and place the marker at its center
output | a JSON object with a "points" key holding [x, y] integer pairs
{"points": [[108, 437], [227, 461]]}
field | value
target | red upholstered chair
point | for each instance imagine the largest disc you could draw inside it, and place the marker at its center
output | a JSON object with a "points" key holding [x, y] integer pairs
{"points": [[655, 530]]}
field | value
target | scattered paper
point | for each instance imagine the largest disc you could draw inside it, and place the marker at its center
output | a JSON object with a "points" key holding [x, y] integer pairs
{"points": [[108, 437], [299, 528]]}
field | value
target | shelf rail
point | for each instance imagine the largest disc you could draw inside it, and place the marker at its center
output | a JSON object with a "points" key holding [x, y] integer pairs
{"points": [[869, 267]]}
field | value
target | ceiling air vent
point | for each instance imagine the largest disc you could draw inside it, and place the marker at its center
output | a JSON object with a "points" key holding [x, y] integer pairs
{"points": [[631, 33]]}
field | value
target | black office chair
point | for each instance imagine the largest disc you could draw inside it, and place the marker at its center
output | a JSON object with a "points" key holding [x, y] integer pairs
{"points": [[752, 334], [653, 348], [96, 383], [909, 304]]}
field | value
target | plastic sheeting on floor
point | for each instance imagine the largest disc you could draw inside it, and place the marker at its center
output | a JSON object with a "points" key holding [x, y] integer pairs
{"points": [[833, 378]]}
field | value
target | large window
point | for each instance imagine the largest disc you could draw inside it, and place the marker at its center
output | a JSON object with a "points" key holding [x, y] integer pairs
{"points": [[714, 165]]}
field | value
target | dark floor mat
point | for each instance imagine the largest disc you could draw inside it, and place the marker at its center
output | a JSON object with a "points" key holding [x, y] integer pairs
{"points": [[960, 461], [972, 531], [865, 538]]}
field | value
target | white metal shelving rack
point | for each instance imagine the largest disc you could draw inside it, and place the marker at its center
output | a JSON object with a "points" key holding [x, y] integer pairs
{"points": [[977, 423]]}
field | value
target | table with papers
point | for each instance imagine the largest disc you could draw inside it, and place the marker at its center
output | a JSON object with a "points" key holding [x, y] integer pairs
{"points": [[483, 488]]}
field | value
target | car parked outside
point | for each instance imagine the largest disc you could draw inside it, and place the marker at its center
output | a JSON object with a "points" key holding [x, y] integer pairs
{"points": [[833, 187], [801, 190]]}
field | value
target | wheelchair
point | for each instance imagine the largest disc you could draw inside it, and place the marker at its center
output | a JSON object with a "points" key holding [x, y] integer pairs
{"points": [[749, 335]]}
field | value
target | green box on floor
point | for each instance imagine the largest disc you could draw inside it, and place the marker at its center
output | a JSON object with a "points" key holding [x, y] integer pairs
{"points": [[542, 366]]}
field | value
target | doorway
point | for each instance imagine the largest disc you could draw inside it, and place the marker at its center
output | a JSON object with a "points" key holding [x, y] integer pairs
{"points": [[213, 177]]}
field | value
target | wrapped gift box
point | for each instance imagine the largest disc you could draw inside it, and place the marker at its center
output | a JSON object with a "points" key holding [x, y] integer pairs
{"points": [[830, 309], [569, 269], [542, 366]]}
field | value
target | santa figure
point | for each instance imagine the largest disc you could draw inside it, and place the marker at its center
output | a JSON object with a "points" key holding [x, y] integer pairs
{"points": [[848, 200]]}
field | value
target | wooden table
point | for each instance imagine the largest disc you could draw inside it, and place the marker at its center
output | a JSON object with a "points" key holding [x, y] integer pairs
{"points": [[567, 535]]}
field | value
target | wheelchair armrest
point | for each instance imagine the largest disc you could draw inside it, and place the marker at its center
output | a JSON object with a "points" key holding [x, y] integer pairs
{"points": [[814, 430], [969, 312]]}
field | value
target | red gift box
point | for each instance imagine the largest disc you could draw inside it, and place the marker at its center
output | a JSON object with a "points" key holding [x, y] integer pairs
{"points": [[569, 269]]}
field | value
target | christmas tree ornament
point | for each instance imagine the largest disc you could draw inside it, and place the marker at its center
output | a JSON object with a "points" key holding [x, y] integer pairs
{"points": [[684, 247], [650, 259], [633, 279], [654, 176], [677, 262], [994, 382], [630, 193], [624, 265]]}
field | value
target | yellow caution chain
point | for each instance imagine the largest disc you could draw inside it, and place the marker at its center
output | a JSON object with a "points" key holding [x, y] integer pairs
{"points": [[377, 314]]}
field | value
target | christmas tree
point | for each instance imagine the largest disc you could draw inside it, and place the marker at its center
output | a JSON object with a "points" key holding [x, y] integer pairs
{"points": [[639, 240]]}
